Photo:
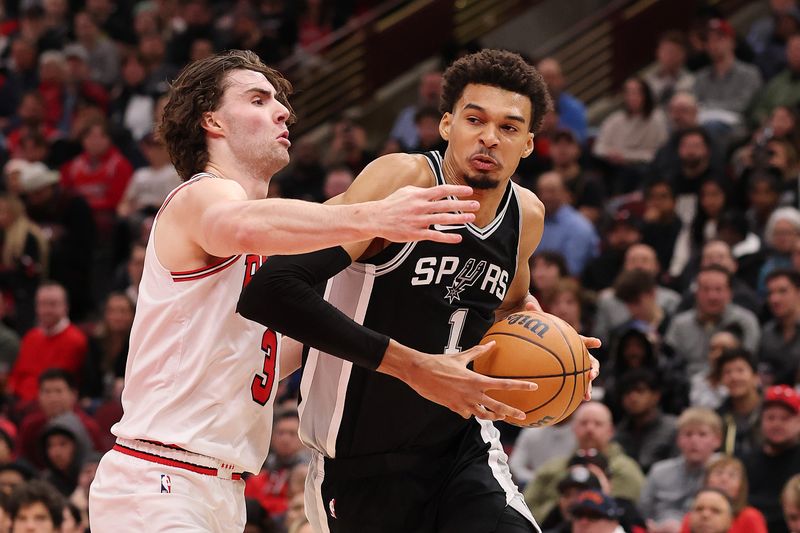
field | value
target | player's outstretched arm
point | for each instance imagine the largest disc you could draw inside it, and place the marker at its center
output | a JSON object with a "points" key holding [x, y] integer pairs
{"points": [[223, 222]]}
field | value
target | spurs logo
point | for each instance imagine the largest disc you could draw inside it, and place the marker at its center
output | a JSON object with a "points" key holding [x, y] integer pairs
{"points": [[465, 278]]}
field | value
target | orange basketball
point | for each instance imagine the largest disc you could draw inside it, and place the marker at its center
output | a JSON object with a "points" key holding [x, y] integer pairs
{"points": [[542, 348]]}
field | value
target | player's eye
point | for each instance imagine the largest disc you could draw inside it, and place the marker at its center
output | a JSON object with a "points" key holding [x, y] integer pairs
{"points": [[509, 128], [258, 101], [473, 120]]}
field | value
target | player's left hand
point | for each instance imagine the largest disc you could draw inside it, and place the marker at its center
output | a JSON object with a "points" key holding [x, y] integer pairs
{"points": [[591, 343]]}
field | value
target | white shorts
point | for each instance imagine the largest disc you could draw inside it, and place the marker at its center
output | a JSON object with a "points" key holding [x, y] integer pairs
{"points": [[134, 494]]}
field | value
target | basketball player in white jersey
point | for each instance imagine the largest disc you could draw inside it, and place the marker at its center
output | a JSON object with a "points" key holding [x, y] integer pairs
{"points": [[199, 382]]}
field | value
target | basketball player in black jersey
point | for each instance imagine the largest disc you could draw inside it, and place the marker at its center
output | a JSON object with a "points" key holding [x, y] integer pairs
{"points": [[385, 458]]}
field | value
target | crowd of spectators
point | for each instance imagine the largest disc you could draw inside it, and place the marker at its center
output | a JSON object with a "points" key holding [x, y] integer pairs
{"points": [[672, 233]]}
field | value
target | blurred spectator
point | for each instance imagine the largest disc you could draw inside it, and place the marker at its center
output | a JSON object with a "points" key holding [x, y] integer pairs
{"points": [[565, 229], [568, 302], [258, 520], [669, 75], [713, 200], [727, 475], [780, 235], [661, 224], [682, 111], [672, 483], [315, 21], [113, 19], [773, 58], [429, 90], [717, 252], [426, 120], [248, 35], [65, 445], [727, 86], [762, 30], [645, 433], [150, 185], [103, 58], [153, 51], [571, 111], [779, 349], [778, 458], [348, 146], [577, 479], [594, 430], [741, 410], [790, 500], [201, 49], [707, 389], [108, 348], [783, 89], [56, 23], [634, 133], [22, 69], [36, 506], [536, 446], [23, 259], [690, 331], [337, 180], [54, 343], [67, 221], [72, 521], [623, 230], [13, 475], [9, 342], [636, 296], [132, 104], [712, 512], [129, 276], [57, 395], [595, 512], [196, 20], [31, 121], [547, 269], [270, 486], [586, 191], [100, 174], [305, 177]]}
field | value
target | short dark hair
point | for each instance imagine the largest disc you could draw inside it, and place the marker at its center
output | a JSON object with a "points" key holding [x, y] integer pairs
{"points": [[198, 89], [427, 112], [675, 37], [37, 491], [695, 130], [58, 374], [792, 275], [632, 284], [638, 376], [660, 182], [735, 221], [735, 354], [716, 268], [553, 258], [498, 68]]}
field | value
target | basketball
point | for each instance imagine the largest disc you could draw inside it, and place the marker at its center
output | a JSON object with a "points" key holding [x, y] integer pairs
{"points": [[541, 348]]}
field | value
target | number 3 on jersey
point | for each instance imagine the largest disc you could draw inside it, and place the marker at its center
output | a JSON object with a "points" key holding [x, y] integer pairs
{"points": [[262, 384]]}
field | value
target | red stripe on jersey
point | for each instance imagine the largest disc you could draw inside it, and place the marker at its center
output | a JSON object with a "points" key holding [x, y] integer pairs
{"points": [[172, 462], [219, 266]]}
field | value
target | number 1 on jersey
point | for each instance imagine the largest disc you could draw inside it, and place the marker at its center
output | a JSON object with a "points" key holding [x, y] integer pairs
{"points": [[456, 322], [262, 384]]}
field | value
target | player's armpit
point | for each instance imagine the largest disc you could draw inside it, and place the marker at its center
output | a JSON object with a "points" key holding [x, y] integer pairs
{"points": [[282, 296], [291, 356]]}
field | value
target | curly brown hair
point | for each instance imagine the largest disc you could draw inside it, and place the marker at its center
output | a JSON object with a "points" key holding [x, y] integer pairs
{"points": [[498, 68], [198, 89]]}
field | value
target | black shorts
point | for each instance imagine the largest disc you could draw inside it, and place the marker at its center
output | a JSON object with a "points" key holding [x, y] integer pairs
{"points": [[457, 490]]}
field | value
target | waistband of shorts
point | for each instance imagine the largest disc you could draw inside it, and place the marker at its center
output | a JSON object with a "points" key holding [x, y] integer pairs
{"points": [[389, 463], [170, 455]]}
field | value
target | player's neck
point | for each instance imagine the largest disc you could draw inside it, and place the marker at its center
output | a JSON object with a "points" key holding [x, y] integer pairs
{"points": [[254, 185]]}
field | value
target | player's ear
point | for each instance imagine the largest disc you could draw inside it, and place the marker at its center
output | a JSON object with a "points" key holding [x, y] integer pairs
{"points": [[444, 126], [210, 123], [528, 145]]}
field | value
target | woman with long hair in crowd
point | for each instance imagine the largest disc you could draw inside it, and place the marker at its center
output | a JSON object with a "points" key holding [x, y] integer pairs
{"points": [[23, 259], [728, 475], [547, 269]]}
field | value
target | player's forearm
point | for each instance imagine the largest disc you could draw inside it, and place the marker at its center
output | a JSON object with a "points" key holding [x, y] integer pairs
{"points": [[285, 227]]}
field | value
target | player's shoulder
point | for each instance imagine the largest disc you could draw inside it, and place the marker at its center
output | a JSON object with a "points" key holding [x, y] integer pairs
{"points": [[531, 207], [399, 170], [200, 192]]}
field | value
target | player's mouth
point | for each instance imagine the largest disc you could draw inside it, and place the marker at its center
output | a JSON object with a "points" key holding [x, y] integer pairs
{"points": [[483, 163], [283, 138]]}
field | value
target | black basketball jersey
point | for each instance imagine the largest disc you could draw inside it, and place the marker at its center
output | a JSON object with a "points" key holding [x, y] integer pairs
{"points": [[436, 298]]}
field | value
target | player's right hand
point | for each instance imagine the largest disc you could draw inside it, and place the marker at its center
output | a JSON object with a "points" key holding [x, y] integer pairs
{"points": [[408, 214], [446, 380]]}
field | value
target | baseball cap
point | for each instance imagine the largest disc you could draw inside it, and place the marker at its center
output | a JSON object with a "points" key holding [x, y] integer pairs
{"points": [[722, 26], [595, 504], [784, 396], [37, 175], [590, 456], [579, 477], [77, 51]]}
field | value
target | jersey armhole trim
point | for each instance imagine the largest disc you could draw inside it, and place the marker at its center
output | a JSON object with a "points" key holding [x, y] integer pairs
{"points": [[219, 266]]}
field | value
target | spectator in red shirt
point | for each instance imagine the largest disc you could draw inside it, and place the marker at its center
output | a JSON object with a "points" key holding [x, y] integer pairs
{"points": [[57, 396], [54, 343], [100, 174]]}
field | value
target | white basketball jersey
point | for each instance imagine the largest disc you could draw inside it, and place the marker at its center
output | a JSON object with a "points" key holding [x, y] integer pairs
{"points": [[199, 375]]}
